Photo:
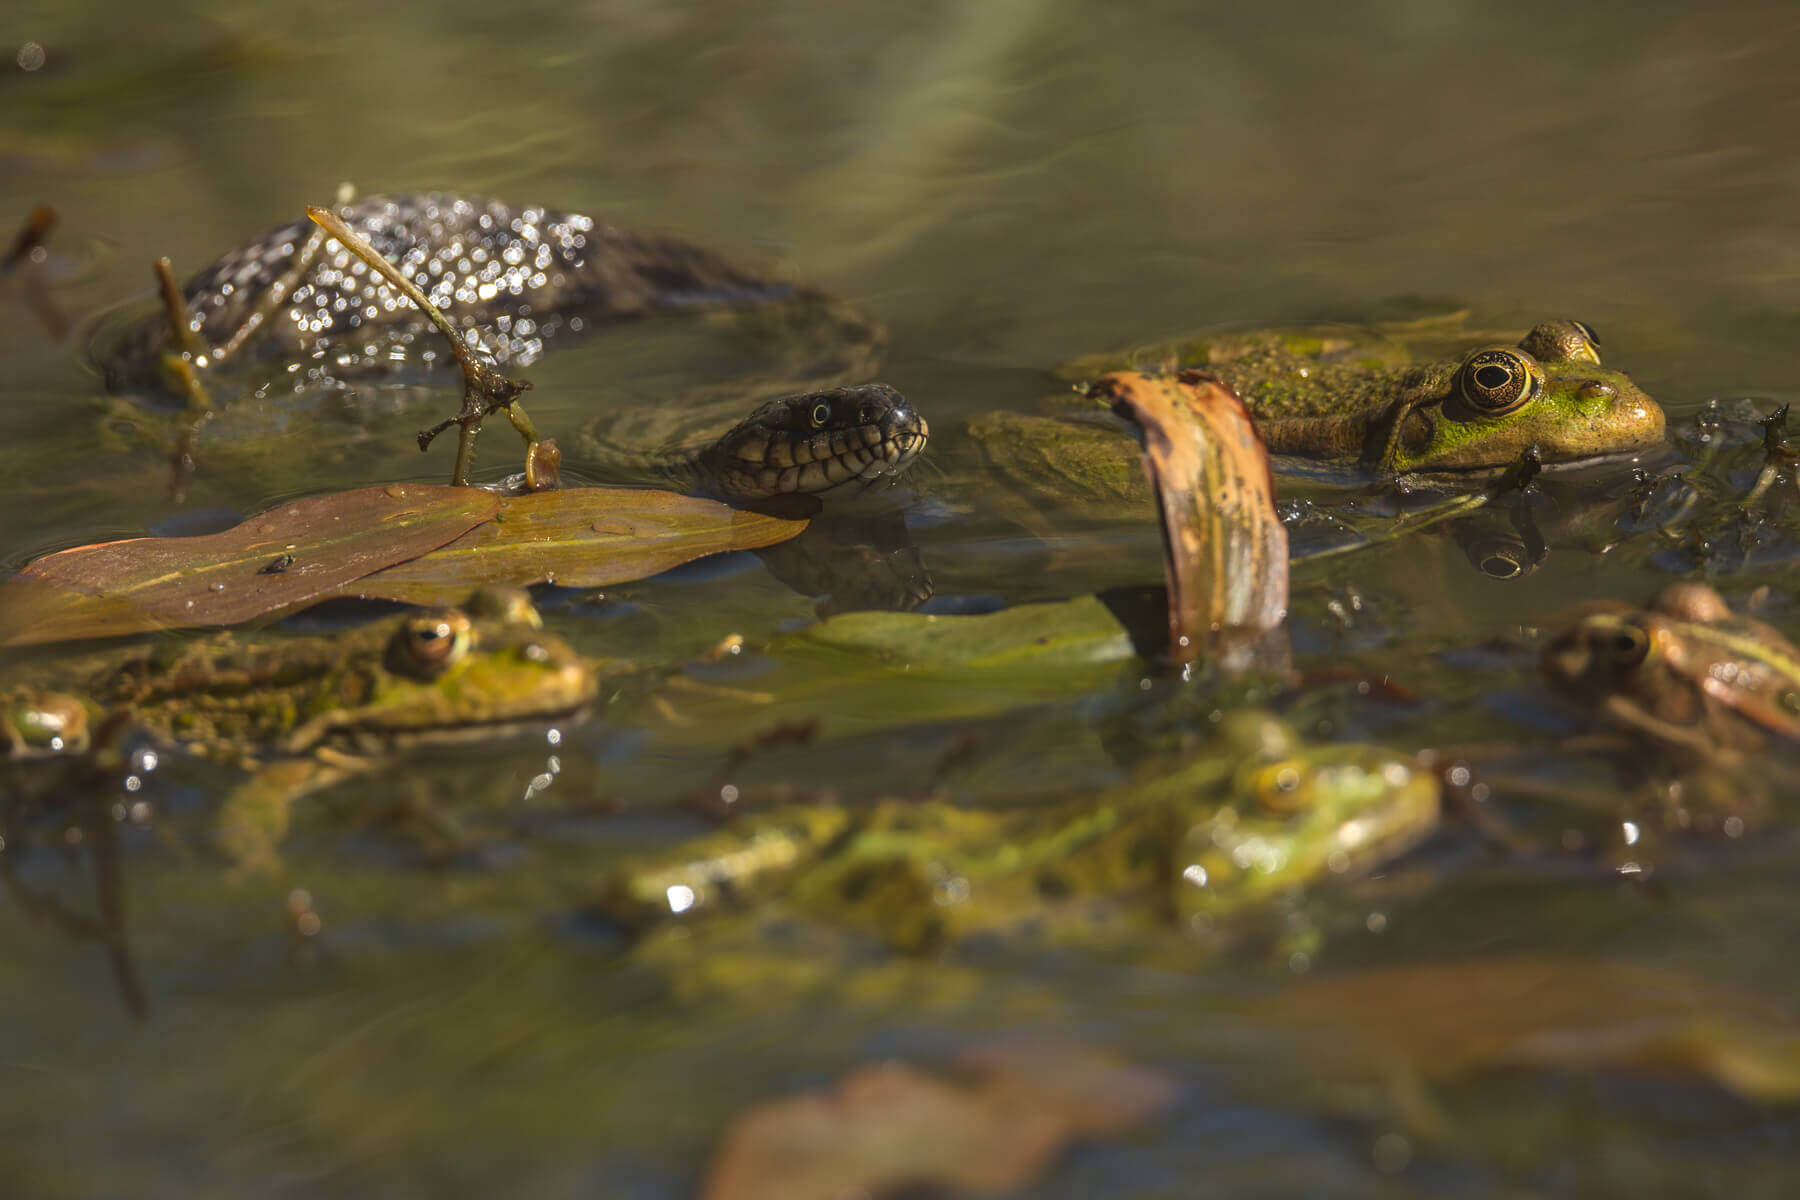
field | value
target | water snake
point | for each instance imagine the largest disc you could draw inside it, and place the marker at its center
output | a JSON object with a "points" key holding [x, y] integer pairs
{"points": [[515, 279]]}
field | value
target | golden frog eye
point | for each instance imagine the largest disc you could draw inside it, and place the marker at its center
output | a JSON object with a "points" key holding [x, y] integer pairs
{"points": [[1500, 380], [1280, 786], [507, 605], [1562, 340], [426, 645], [1620, 644], [821, 413]]}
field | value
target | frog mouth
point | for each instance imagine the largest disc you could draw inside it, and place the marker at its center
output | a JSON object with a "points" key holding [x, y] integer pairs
{"points": [[371, 740], [568, 694], [1417, 430]]}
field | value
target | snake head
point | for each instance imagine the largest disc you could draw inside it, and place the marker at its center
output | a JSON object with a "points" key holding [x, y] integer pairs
{"points": [[818, 443]]}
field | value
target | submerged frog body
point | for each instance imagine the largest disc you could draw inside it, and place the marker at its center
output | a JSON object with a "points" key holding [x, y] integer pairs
{"points": [[302, 713], [1260, 818], [1684, 674], [1329, 395]]}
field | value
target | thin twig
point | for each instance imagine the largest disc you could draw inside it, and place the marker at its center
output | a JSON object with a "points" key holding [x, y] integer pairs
{"points": [[484, 389], [183, 364], [32, 234]]}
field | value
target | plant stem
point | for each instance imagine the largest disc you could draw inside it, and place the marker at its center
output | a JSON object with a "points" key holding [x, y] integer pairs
{"points": [[484, 389]]}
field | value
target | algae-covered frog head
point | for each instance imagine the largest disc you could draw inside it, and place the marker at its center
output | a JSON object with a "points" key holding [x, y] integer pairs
{"points": [[1685, 673], [1549, 391], [448, 670], [1298, 812]]}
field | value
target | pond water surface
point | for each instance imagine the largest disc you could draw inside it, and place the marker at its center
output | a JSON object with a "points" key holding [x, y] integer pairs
{"points": [[1006, 185]]}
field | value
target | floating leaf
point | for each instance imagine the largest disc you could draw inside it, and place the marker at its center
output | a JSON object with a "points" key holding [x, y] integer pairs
{"points": [[581, 537], [1224, 547], [272, 563], [892, 1127], [865, 671]]}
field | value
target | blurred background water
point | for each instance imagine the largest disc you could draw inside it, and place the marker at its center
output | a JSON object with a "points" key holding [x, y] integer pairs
{"points": [[1006, 184]]}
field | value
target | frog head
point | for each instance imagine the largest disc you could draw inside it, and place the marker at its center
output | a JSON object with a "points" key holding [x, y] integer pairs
{"points": [[1297, 813], [444, 671], [1683, 673], [1549, 391]]}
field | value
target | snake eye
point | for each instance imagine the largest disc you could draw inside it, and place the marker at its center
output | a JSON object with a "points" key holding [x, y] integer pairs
{"points": [[1500, 380], [426, 645], [821, 413]]}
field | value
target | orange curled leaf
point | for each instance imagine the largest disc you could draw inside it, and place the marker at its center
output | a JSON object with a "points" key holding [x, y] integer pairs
{"points": [[1225, 550]]}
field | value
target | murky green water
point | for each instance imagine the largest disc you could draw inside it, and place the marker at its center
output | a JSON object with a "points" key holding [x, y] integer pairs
{"points": [[1007, 185]]}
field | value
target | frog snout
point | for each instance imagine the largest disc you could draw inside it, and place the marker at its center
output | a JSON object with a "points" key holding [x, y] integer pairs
{"points": [[1631, 419]]}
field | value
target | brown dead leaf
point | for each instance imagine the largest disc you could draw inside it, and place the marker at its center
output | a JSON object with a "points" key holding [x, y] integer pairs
{"points": [[1225, 549], [271, 563], [891, 1126], [578, 537]]}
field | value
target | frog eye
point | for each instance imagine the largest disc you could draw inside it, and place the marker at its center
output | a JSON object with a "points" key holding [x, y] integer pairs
{"points": [[507, 605], [1500, 380], [1621, 645], [426, 645], [1562, 340], [1280, 786], [821, 413]]}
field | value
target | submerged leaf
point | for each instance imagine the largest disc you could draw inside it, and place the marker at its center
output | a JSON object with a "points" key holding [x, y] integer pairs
{"points": [[861, 672], [1448, 1020], [1224, 547], [271, 563], [891, 1126], [580, 537]]}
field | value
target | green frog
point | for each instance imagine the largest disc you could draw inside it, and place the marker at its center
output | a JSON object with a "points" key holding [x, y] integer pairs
{"points": [[1360, 396], [1684, 673], [1261, 817], [299, 714]]}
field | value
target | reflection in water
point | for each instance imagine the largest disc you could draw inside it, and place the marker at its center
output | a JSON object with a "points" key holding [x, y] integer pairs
{"points": [[853, 562], [1502, 545], [88, 782]]}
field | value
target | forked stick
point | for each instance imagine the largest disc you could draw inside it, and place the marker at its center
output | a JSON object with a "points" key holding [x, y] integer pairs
{"points": [[484, 389]]}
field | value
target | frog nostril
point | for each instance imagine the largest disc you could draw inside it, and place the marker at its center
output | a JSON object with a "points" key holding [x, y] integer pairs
{"points": [[1597, 391]]}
